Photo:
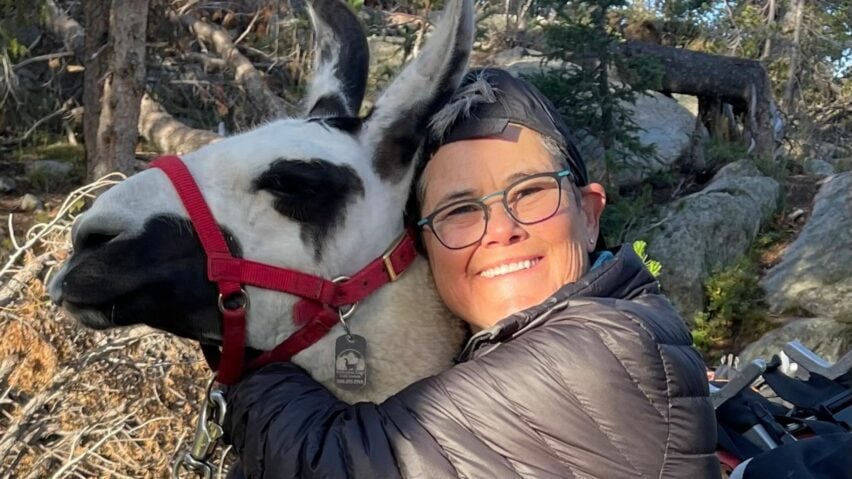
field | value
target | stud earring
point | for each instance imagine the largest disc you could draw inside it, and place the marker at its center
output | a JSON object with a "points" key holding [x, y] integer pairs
{"points": [[591, 241]]}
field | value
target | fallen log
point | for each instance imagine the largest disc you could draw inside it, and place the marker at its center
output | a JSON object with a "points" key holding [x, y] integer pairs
{"points": [[167, 133], [742, 82]]}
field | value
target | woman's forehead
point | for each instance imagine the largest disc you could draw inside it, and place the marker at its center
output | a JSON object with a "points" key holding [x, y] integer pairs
{"points": [[484, 163]]}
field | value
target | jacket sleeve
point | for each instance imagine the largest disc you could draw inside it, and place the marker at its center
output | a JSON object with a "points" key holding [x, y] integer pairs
{"points": [[283, 423]]}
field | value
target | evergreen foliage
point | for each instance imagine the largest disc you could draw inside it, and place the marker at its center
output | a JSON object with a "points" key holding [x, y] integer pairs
{"points": [[578, 35]]}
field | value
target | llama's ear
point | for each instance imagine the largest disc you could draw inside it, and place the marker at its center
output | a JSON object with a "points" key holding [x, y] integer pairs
{"points": [[341, 61], [400, 119]]}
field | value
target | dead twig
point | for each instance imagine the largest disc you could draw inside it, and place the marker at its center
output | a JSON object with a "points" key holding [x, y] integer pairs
{"points": [[41, 58], [12, 288], [63, 215]]}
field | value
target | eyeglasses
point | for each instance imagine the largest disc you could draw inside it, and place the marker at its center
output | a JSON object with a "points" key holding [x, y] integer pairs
{"points": [[530, 200]]}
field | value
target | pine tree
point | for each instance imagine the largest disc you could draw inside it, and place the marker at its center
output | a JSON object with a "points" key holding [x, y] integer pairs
{"points": [[583, 89]]}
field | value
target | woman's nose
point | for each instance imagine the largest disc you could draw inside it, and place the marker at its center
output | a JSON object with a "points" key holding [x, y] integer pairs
{"points": [[501, 229]]}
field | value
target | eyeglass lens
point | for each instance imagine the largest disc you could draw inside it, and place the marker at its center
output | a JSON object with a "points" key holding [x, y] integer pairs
{"points": [[529, 201]]}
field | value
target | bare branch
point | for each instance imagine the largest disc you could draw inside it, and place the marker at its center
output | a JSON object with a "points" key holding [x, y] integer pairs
{"points": [[62, 26], [261, 97], [10, 290]]}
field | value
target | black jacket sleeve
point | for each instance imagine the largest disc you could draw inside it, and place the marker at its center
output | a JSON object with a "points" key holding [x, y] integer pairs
{"points": [[284, 424]]}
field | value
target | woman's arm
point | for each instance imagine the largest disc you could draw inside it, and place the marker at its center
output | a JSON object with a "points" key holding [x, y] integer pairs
{"points": [[282, 423]]}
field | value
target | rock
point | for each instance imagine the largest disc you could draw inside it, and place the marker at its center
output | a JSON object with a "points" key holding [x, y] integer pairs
{"points": [[52, 168], [819, 167], [31, 202], [826, 337], [815, 272], [690, 102], [7, 185], [662, 122], [707, 231]]}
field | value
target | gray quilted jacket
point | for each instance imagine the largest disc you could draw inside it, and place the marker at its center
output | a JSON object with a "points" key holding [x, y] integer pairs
{"points": [[599, 381]]}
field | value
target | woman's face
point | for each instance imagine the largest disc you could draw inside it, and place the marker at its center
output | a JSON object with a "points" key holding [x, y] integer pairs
{"points": [[551, 253]]}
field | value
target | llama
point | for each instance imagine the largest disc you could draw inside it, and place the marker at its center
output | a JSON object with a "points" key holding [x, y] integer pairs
{"points": [[322, 195]]}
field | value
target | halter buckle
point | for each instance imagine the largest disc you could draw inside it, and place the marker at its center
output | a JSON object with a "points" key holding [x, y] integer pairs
{"points": [[386, 258]]}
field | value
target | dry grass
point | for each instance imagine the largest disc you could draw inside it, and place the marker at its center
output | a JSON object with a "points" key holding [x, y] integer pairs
{"points": [[81, 403]]}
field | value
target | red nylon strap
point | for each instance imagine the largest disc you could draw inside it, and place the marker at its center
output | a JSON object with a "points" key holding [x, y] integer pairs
{"points": [[319, 295]]}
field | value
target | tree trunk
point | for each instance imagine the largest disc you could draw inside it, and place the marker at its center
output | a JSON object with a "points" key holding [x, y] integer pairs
{"points": [[96, 62], [788, 100], [738, 81], [770, 24], [122, 91], [604, 95], [155, 124]]}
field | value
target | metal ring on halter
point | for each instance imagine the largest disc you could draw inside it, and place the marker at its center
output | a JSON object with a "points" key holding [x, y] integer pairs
{"points": [[245, 304], [345, 311]]}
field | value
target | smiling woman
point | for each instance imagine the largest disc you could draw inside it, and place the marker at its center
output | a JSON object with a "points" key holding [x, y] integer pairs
{"points": [[578, 367], [513, 262]]}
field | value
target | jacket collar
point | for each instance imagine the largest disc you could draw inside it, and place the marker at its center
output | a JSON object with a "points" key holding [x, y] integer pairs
{"points": [[622, 277]]}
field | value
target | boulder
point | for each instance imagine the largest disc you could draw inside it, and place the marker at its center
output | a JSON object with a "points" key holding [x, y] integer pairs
{"points": [[690, 102], [709, 230], [826, 337], [667, 125], [815, 271], [662, 121], [49, 169], [7, 185], [30, 202], [819, 167]]}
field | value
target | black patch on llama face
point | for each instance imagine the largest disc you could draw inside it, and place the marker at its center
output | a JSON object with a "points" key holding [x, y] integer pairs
{"points": [[158, 278], [313, 193]]}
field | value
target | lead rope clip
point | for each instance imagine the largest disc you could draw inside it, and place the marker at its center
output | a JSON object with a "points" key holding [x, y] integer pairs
{"points": [[208, 432]]}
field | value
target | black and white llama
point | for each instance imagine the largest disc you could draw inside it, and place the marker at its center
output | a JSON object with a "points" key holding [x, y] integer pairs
{"points": [[322, 195]]}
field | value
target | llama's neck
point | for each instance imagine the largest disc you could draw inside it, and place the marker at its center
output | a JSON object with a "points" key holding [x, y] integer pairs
{"points": [[409, 332]]}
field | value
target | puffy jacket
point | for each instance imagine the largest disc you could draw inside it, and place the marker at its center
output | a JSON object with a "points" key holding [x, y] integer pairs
{"points": [[599, 381]]}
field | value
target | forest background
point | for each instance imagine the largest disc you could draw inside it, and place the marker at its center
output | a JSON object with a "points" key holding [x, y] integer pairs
{"points": [[97, 86]]}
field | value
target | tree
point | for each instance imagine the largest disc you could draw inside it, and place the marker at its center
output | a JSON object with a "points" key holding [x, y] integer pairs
{"points": [[120, 34], [583, 89]]}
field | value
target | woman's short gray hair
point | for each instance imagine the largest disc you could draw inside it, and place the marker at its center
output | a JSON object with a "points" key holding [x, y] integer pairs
{"points": [[479, 90]]}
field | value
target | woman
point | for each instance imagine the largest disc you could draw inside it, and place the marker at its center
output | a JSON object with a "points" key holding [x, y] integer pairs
{"points": [[578, 366]]}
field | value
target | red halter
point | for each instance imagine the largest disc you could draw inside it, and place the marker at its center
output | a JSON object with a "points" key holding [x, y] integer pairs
{"points": [[317, 311]]}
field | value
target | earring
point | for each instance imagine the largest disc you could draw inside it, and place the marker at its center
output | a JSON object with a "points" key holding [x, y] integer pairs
{"points": [[591, 241]]}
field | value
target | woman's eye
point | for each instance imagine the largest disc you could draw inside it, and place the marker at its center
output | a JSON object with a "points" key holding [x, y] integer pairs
{"points": [[526, 191], [461, 210]]}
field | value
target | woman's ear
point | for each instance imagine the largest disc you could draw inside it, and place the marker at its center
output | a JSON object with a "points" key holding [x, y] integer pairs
{"points": [[592, 202]]}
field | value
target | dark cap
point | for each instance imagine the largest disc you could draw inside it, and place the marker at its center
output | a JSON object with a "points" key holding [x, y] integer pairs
{"points": [[506, 99]]}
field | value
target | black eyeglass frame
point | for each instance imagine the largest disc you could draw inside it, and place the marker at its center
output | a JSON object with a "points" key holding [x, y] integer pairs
{"points": [[557, 175]]}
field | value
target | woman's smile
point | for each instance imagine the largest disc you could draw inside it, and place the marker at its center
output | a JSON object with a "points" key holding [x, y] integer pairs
{"points": [[511, 266]]}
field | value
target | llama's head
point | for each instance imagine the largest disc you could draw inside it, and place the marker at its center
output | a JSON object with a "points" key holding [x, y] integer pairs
{"points": [[323, 194]]}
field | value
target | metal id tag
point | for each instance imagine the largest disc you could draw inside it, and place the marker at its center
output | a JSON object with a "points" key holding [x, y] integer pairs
{"points": [[350, 362]]}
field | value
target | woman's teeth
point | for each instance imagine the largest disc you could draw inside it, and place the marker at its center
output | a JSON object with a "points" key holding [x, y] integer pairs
{"points": [[509, 268]]}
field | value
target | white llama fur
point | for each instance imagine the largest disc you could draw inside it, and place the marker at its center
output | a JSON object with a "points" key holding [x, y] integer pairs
{"points": [[409, 332]]}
